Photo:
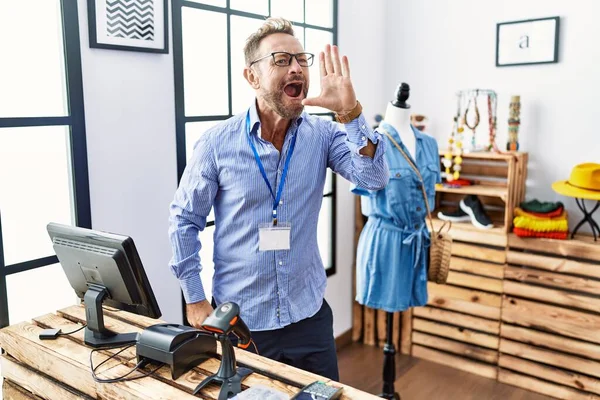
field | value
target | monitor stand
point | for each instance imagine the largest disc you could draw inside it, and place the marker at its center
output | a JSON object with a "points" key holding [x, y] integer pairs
{"points": [[96, 334]]}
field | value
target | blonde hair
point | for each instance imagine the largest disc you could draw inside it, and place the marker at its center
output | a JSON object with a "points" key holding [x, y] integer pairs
{"points": [[270, 26]]}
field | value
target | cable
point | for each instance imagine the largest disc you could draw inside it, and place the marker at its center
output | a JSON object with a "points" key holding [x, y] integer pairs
{"points": [[122, 378], [72, 332], [53, 333], [255, 348]]}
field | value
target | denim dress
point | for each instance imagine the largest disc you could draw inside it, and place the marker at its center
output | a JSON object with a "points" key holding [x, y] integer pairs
{"points": [[393, 249]]}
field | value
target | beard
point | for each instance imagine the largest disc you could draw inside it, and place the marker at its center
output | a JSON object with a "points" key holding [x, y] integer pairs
{"points": [[276, 99]]}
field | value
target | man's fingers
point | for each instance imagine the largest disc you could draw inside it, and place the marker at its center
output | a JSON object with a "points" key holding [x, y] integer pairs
{"points": [[328, 63], [335, 56], [345, 67], [311, 101], [322, 64]]}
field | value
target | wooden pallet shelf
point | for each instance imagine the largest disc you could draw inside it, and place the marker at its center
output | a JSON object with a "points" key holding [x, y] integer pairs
{"points": [[479, 190], [551, 317]]}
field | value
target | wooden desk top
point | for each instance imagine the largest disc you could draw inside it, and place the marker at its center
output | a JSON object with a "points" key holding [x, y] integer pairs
{"points": [[60, 369]]}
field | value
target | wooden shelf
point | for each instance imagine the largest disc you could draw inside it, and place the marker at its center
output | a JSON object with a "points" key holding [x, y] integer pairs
{"points": [[489, 155], [479, 190], [467, 232]]}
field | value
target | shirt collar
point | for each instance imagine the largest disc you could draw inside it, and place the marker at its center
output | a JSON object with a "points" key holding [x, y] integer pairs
{"points": [[255, 120]]}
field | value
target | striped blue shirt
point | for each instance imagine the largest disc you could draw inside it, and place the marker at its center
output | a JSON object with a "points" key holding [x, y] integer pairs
{"points": [[273, 288]]}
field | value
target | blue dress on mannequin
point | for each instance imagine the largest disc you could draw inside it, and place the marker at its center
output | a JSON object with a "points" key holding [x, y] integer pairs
{"points": [[393, 249]]}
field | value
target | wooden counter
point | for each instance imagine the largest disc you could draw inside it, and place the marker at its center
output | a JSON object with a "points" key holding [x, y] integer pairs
{"points": [[60, 369]]}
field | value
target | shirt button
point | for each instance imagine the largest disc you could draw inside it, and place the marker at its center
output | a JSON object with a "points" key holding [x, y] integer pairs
{"points": [[363, 138], [362, 127], [280, 262], [418, 208], [280, 202], [397, 174], [416, 226]]}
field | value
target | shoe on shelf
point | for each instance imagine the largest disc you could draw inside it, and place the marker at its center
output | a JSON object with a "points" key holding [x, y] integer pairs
{"points": [[472, 206], [457, 215]]}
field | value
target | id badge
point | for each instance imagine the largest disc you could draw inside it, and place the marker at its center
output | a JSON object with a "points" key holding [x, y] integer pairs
{"points": [[274, 237]]}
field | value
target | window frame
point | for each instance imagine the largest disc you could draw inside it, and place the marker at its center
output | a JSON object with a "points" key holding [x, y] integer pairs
{"points": [[181, 119], [75, 120]]}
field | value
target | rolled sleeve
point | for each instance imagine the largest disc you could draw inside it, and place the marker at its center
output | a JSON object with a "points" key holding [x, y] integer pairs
{"points": [[192, 288], [346, 160], [358, 132]]}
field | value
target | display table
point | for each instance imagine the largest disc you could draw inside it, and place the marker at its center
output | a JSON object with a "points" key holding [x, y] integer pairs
{"points": [[60, 369]]}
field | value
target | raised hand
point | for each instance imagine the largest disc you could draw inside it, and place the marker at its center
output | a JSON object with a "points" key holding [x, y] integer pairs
{"points": [[337, 92]]}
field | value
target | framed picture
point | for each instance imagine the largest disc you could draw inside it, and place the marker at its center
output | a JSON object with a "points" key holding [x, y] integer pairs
{"points": [[532, 41], [134, 25]]}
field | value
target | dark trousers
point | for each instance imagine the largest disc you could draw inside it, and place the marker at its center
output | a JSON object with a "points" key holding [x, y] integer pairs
{"points": [[308, 344]]}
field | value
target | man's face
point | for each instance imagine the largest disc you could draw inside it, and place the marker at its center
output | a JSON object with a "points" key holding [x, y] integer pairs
{"points": [[282, 87]]}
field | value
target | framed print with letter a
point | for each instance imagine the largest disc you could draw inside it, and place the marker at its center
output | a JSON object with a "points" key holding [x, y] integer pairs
{"points": [[135, 25], [532, 41]]}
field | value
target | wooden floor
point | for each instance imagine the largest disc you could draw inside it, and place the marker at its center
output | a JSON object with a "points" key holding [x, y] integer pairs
{"points": [[361, 366]]}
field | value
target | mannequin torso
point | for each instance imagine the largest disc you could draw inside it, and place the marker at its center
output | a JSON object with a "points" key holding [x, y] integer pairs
{"points": [[399, 118]]}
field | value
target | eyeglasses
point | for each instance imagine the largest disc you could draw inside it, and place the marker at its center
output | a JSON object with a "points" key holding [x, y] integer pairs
{"points": [[284, 59]]}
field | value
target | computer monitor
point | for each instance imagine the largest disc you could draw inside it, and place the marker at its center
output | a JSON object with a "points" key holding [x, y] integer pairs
{"points": [[104, 268]]}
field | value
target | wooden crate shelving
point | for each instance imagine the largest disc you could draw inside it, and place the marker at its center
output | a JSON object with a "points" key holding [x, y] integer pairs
{"points": [[460, 326], [550, 329], [499, 182]]}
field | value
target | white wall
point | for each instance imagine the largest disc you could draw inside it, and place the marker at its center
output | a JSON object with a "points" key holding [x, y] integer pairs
{"points": [[361, 38], [439, 47], [130, 122]]}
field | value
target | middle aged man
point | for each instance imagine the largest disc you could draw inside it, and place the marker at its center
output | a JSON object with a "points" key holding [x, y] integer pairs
{"points": [[263, 171]]}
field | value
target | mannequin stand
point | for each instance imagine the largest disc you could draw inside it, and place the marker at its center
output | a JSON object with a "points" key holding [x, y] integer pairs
{"points": [[587, 217], [389, 362]]}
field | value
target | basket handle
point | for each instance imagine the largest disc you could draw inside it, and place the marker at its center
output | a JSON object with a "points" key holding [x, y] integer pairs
{"points": [[414, 167]]}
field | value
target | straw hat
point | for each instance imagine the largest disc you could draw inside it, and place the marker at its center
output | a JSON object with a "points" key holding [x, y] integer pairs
{"points": [[584, 182]]}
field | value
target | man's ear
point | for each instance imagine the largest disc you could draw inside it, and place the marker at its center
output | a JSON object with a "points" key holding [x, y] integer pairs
{"points": [[252, 78]]}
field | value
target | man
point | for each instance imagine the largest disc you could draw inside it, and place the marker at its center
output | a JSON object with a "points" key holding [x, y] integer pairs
{"points": [[263, 171]]}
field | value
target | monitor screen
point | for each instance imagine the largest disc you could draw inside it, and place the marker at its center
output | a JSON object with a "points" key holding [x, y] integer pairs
{"points": [[104, 268]]}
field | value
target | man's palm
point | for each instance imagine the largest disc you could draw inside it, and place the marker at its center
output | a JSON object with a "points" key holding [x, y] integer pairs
{"points": [[337, 93]]}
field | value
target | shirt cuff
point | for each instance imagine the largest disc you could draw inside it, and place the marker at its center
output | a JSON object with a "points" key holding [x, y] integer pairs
{"points": [[192, 288], [358, 132]]}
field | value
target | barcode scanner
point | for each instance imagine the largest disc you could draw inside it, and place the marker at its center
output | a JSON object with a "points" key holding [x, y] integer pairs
{"points": [[224, 320]]}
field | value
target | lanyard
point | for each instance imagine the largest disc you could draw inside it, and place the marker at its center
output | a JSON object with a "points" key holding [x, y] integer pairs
{"points": [[277, 197]]}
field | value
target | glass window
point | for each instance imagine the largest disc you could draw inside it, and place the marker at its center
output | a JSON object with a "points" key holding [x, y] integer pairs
{"points": [[43, 165], [252, 6], [289, 9], [37, 292], [32, 82], [319, 13], [218, 3], [206, 259], [243, 93], [325, 232], [316, 40], [193, 131], [35, 176], [205, 62]]}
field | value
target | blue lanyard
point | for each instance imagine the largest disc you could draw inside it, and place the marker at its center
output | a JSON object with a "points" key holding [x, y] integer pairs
{"points": [[262, 168]]}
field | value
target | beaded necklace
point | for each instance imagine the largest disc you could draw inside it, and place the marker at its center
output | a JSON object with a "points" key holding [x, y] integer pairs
{"points": [[455, 147], [476, 120]]}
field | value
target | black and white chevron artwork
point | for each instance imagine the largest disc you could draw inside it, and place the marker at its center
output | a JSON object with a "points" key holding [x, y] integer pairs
{"points": [[130, 19]]}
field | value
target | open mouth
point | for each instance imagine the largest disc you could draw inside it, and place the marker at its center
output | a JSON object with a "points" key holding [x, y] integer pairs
{"points": [[293, 89]]}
